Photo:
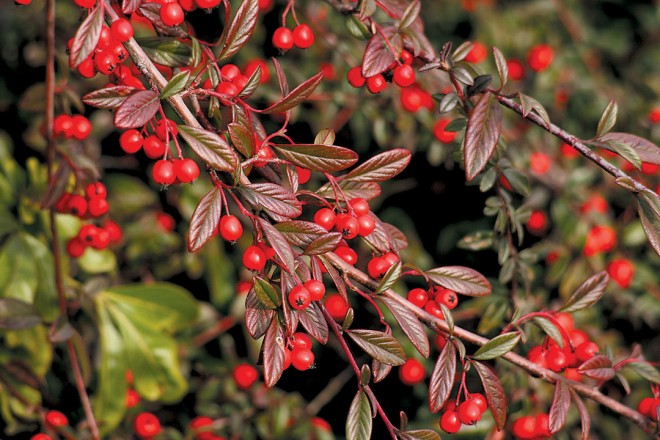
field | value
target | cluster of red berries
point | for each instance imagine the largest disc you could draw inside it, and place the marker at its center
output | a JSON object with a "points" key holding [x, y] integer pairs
{"points": [[531, 427], [358, 220], [302, 295], [172, 12], [649, 406], [132, 396], [302, 36], [54, 420], [468, 412], [77, 127], [201, 426], [400, 72], [109, 52], [380, 264], [431, 299], [550, 355], [298, 352], [232, 82], [414, 98]]}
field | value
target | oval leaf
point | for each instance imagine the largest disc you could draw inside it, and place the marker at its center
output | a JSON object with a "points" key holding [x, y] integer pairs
{"points": [[494, 393], [324, 243], [607, 119], [359, 421], [481, 135], [561, 402], [381, 167], [297, 95], [210, 147], [204, 220], [391, 276], [460, 279], [442, 378], [314, 322], [598, 367], [377, 56], [323, 158], [502, 66], [648, 209], [646, 150], [137, 109], [497, 346], [588, 293], [410, 325], [241, 28], [272, 198], [279, 244], [175, 85], [379, 345], [108, 98], [86, 38], [273, 353], [585, 418]]}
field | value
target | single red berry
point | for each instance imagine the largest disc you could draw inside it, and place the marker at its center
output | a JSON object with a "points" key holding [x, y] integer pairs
{"points": [[187, 170], [328, 70], [412, 372], [441, 134], [568, 152], [153, 147], [537, 356], [578, 337], [377, 267], [516, 69], [254, 258], [537, 222], [446, 297], [367, 224], [347, 225], [227, 88], [654, 115], [440, 341], [303, 175], [56, 419], [469, 412], [243, 287], [432, 308], [229, 72], [207, 4], [105, 63], [122, 30], [164, 172], [87, 234], [540, 57], [355, 77], [132, 398], [61, 204], [146, 425], [302, 359], [283, 38], [480, 401], [321, 424], [230, 227], [645, 405], [101, 239], [76, 205], [265, 153], [299, 297], [171, 14], [303, 36], [245, 375], [406, 57], [63, 126], [411, 99], [268, 251], [404, 75], [119, 52], [261, 65], [75, 247], [359, 206], [347, 254], [540, 162], [586, 351], [23, 3], [316, 289], [98, 206], [556, 360], [325, 217], [542, 428], [565, 320], [301, 340], [81, 127], [524, 428], [449, 422], [336, 306], [166, 128], [201, 426], [599, 239], [478, 53], [573, 374], [621, 270], [96, 189], [165, 221], [418, 296], [240, 82], [85, 3], [114, 231], [86, 68], [376, 83]]}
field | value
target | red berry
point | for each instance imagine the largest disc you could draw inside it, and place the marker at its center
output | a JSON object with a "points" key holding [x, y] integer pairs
{"points": [[76, 205], [165, 221], [418, 296], [537, 356], [165, 129], [404, 75], [132, 398], [303, 175], [480, 401], [302, 359], [441, 134], [283, 38], [328, 71], [367, 225], [85, 3], [446, 297], [376, 83], [114, 231], [540, 162], [355, 77], [406, 57], [540, 57], [537, 222], [228, 89], [586, 351], [146, 425], [96, 189], [599, 239], [122, 30], [229, 72], [316, 289], [245, 375], [299, 297], [105, 62], [578, 337], [568, 152], [411, 99], [230, 228], [621, 271], [431, 307], [171, 14], [265, 5], [440, 341], [469, 412], [101, 239], [303, 36], [243, 287], [347, 254], [75, 247], [86, 68], [645, 405], [325, 217], [565, 320], [321, 424], [516, 69], [153, 147], [477, 54], [56, 419], [63, 126], [163, 172], [336, 306], [449, 422], [347, 225], [201, 426], [542, 428], [240, 82], [187, 170], [207, 4], [654, 115], [261, 65], [39, 436], [254, 258], [412, 372], [264, 153], [359, 206], [81, 127], [524, 428], [301, 340], [377, 267], [556, 360], [98, 206], [23, 3]]}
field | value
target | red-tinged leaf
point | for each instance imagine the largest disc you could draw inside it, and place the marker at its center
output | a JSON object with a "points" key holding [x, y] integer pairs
{"points": [[502, 66], [279, 244], [377, 56], [380, 239], [497, 346], [561, 402], [274, 199], [588, 293], [359, 421], [323, 158], [16, 314], [252, 84], [420, 434], [137, 109], [300, 232], [398, 239], [130, 6], [242, 138], [410, 14], [382, 167], [379, 370], [585, 418], [58, 183], [550, 329], [281, 77], [273, 353], [108, 98], [210, 147], [204, 220], [379, 345], [257, 317], [241, 28], [645, 149], [297, 95], [481, 134], [336, 278], [324, 243], [460, 279], [494, 393], [366, 190], [598, 367], [314, 323], [410, 325], [530, 104], [86, 38], [648, 209], [390, 278], [325, 137], [442, 378]]}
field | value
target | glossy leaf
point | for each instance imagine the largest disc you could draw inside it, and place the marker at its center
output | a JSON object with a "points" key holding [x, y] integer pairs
{"points": [[502, 66], [561, 402], [108, 98], [585, 418], [481, 135], [325, 137], [648, 209], [297, 95], [300, 232], [241, 28], [390, 278], [324, 243], [323, 158], [410, 324], [278, 243], [420, 434], [314, 323], [210, 147], [646, 370], [460, 279], [167, 51], [359, 421], [377, 56], [16, 314], [550, 329], [272, 198], [175, 85], [273, 353], [87, 36], [607, 119], [588, 293], [381, 167], [494, 393], [379, 370], [257, 316], [598, 367], [530, 104], [266, 293], [379, 345], [130, 6], [242, 138], [442, 378], [137, 109], [410, 14], [497, 346], [366, 190], [204, 220], [645, 149], [625, 151]]}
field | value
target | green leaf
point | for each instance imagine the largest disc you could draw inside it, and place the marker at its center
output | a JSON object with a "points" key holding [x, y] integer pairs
{"points": [[175, 85], [481, 135], [95, 261], [645, 149], [550, 329], [421, 434], [137, 109], [359, 421], [241, 28], [626, 151], [460, 279], [588, 293], [86, 38], [266, 293], [442, 377], [210, 147], [297, 95], [494, 393], [167, 51], [242, 138], [323, 158], [646, 370], [497, 346], [607, 119], [390, 278], [379, 345], [325, 137], [448, 102], [381, 167], [502, 66], [462, 75], [530, 104], [17, 315], [648, 209]]}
